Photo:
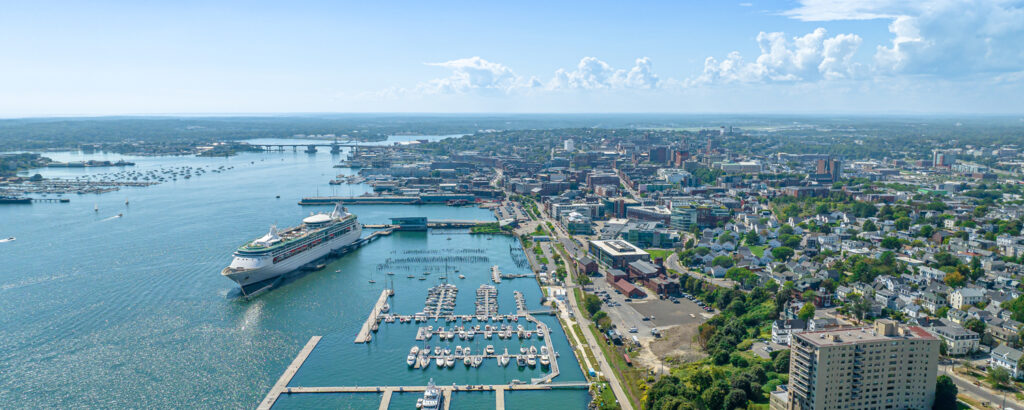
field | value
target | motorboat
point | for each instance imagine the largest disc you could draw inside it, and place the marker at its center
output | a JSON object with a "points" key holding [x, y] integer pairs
{"points": [[531, 360], [431, 399], [503, 360], [477, 361], [449, 361], [489, 349], [521, 360], [440, 361], [545, 358]]}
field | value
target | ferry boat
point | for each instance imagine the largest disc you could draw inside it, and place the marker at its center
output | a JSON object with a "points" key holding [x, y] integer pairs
{"points": [[280, 252]]}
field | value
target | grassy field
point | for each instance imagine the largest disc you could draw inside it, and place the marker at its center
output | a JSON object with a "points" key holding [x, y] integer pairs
{"points": [[659, 253], [758, 251]]}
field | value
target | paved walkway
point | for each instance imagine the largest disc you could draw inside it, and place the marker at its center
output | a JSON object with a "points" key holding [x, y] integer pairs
{"points": [[605, 368]]}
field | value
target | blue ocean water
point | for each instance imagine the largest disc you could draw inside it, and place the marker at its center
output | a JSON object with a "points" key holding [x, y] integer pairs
{"points": [[131, 311]]}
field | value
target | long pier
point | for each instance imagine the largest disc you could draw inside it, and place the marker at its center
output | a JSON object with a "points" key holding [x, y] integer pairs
{"points": [[364, 335], [388, 391], [286, 377], [440, 223]]}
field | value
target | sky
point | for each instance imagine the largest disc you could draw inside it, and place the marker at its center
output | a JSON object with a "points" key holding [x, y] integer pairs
{"points": [[800, 57]]}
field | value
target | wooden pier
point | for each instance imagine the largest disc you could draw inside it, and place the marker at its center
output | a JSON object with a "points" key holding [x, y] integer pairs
{"points": [[286, 377], [364, 335]]}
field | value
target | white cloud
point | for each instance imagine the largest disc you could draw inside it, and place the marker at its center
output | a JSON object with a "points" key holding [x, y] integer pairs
{"points": [[947, 37], [475, 74], [810, 57], [593, 74]]}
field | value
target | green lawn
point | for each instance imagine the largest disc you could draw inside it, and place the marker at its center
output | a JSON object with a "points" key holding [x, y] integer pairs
{"points": [[659, 253], [758, 251]]}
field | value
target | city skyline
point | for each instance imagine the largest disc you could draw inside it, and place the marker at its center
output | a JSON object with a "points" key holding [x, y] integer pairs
{"points": [[804, 57]]}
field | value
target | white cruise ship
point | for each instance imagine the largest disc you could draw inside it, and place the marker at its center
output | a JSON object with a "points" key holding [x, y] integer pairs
{"points": [[280, 252]]}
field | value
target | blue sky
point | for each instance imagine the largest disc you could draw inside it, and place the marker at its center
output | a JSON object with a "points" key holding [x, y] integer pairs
{"points": [[807, 56]]}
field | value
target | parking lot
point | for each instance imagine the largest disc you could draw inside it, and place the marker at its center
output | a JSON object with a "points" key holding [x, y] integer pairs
{"points": [[647, 313], [759, 348]]}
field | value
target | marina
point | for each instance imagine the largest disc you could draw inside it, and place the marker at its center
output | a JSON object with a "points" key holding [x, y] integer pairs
{"points": [[207, 322]]}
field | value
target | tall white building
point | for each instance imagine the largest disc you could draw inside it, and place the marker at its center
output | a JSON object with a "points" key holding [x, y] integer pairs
{"points": [[568, 145]]}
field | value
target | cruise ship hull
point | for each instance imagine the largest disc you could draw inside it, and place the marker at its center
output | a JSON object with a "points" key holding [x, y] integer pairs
{"points": [[269, 270]]}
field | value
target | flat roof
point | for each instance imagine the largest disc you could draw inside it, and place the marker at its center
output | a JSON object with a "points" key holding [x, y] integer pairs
{"points": [[857, 335], [618, 247]]}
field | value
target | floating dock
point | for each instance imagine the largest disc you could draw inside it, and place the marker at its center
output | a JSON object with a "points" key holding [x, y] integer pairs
{"points": [[495, 274], [364, 335]]}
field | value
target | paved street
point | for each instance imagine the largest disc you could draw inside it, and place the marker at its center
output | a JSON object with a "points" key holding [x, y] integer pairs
{"points": [[672, 262]]}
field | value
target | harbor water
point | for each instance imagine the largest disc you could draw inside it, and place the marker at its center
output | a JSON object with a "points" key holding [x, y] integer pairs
{"points": [[101, 310]]}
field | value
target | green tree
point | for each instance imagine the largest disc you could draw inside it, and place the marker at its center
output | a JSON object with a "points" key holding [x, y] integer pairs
{"points": [[723, 261], [591, 303], [902, 223], [891, 242], [782, 253], [809, 295], [869, 226], [737, 399], [751, 238], [945, 394], [997, 376], [714, 397], [954, 279], [975, 326], [806, 311], [781, 362]]}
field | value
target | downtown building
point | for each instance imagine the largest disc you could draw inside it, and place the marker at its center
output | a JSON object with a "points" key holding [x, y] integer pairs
{"points": [[888, 366]]}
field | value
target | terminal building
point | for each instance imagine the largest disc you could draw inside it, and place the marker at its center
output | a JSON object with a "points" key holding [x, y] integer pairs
{"points": [[617, 253], [888, 366]]}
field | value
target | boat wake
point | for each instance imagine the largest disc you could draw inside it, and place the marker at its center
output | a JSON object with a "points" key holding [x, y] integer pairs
{"points": [[111, 218], [11, 239]]}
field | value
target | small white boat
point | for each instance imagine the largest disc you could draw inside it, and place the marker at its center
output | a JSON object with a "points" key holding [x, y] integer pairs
{"points": [[462, 276], [424, 362], [449, 361], [533, 349], [477, 361], [503, 360], [440, 361], [391, 273], [489, 349], [545, 359], [11, 239], [458, 350], [522, 350], [411, 360], [437, 350], [521, 360], [531, 360]]}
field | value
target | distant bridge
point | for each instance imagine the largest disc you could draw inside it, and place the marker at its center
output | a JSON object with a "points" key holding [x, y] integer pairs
{"points": [[311, 147]]}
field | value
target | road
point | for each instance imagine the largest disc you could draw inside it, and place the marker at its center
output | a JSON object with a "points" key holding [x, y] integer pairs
{"points": [[673, 263], [965, 386]]}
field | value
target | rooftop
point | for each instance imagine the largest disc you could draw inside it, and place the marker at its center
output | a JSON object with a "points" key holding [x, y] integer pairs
{"points": [[882, 331], [618, 247]]}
